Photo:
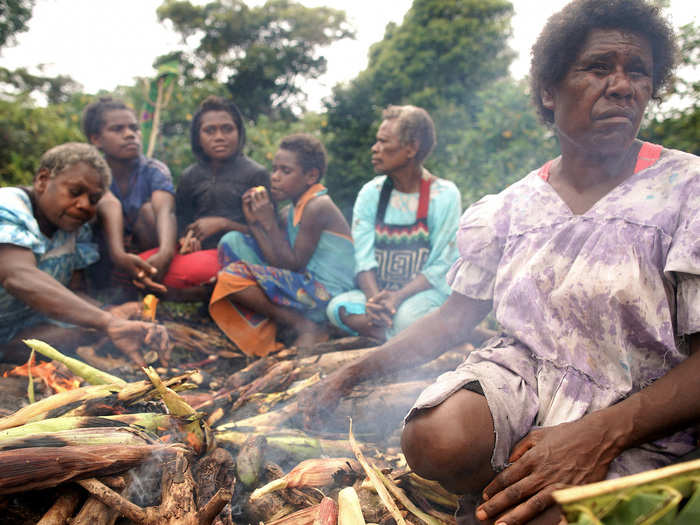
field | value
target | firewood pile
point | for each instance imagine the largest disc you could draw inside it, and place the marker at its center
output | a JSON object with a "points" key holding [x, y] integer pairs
{"points": [[215, 438]]}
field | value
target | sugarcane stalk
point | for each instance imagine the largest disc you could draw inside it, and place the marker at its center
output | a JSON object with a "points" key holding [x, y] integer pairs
{"points": [[384, 495], [90, 374]]}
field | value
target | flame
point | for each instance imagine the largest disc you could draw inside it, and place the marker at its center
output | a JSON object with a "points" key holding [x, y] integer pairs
{"points": [[48, 373]]}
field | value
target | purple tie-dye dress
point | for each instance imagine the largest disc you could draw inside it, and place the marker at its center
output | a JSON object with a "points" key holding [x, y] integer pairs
{"points": [[594, 307]]}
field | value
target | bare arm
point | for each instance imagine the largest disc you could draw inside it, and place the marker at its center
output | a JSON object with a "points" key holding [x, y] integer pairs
{"points": [[109, 210], [20, 276], [421, 342], [581, 451], [272, 239], [163, 204]]}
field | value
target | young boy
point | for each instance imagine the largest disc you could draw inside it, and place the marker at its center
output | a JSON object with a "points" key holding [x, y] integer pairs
{"points": [[292, 265], [140, 206]]}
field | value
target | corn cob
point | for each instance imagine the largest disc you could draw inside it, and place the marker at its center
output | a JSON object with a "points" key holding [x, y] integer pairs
{"points": [[148, 308], [652, 497], [349, 510], [90, 374], [431, 490], [74, 402], [179, 407], [43, 467], [378, 485], [249, 462], [81, 437], [292, 445], [318, 472], [327, 512], [305, 516], [42, 409]]}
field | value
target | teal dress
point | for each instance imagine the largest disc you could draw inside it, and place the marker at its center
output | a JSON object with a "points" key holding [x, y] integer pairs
{"points": [[329, 272]]}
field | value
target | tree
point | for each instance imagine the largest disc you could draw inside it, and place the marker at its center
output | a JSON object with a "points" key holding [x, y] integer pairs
{"points": [[679, 125], [443, 53], [14, 15], [261, 53]]}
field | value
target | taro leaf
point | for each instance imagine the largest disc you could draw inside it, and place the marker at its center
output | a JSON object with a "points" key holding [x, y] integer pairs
{"points": [[690, 513], [645, 506]]}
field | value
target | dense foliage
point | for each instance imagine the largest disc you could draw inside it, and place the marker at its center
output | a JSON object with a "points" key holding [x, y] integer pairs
{"points": [[449, 56], [261, 54]]}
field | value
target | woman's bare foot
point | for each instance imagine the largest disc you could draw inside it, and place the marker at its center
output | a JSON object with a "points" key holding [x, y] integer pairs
{"points": [[309, 334]]}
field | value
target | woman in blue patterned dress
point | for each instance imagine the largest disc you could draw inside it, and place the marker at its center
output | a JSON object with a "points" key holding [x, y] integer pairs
{"points": [[44, 241]]}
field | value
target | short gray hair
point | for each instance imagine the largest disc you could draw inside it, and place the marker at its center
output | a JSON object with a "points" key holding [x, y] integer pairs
{"points": [[415, 125], [59, 158]]}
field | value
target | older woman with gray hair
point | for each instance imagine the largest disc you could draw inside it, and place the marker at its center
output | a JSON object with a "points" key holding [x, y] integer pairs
{"points": [[403, 226], [44, 241]]}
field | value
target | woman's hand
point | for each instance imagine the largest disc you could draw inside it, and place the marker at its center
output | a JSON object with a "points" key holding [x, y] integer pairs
{"points": [[317, 402], [546, 460], [258, 208], [142, 273], [205, 227], [130, 336], [160, 261]]}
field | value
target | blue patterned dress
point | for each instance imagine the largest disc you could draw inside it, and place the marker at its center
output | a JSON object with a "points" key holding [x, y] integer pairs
{"points": [[59, 256]]}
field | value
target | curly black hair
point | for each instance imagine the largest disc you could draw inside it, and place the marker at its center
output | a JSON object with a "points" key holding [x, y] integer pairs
{"points": [[565, 33], [94, 114], [214, 103], [309, 150]]}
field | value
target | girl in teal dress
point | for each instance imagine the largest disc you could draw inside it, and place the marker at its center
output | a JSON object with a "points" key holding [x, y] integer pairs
{"points": [[292, 265]]}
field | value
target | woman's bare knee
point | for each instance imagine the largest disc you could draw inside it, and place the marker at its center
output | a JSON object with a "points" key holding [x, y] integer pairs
{"points": [[451, 441]]}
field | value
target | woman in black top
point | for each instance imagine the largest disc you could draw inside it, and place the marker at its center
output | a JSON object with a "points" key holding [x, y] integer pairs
{"points": [[208, 198]]}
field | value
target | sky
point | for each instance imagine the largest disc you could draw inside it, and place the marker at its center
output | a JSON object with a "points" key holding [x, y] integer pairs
{"points": [[106, 43]]}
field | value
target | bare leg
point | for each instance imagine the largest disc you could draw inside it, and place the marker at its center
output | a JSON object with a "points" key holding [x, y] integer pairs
{"points": [[452, 443], [308, 332], [362, 324], [63, 339]]}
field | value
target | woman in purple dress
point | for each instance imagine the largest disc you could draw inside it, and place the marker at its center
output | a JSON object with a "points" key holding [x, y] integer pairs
{"points": [[591, 264]]}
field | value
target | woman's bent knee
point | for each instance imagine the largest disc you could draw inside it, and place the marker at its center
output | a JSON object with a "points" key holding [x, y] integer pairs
{"points": [[451, 440]]}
